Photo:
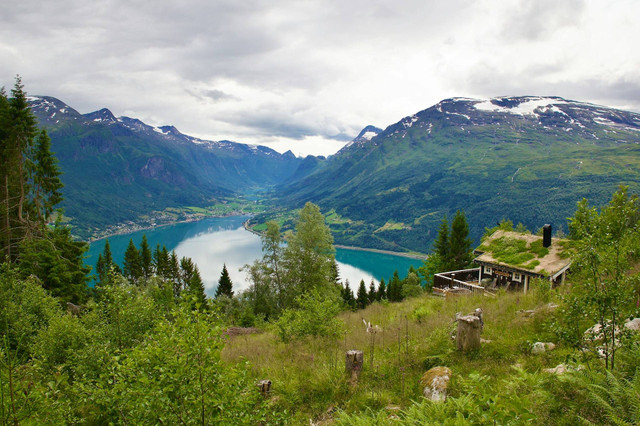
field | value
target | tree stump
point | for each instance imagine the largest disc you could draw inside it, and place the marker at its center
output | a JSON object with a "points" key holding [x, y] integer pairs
{"points": [[468, 334], [353, 365], [265, 387]]}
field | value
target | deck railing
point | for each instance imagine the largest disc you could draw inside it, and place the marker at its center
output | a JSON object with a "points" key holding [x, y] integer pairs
{"points": [[463, 278]]}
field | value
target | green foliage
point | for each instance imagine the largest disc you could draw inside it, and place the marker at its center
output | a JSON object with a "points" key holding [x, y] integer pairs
{"points": [[58, 261], [224, 284], [194, 387], [132, 267], [362, 298], [411, 286], [607, 244], [285, 273], [315, 316]]}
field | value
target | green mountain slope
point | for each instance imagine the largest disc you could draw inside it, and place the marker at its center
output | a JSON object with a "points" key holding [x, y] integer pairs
{"points": [[529, 159], [116, 169]]}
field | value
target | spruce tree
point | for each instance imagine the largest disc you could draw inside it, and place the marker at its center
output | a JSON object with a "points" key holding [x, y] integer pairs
{"points": [[46, 178], [362, 299], [348, 297], [460, 250], [146, 258], [442, 247], [372, 292], [174, 274], [196, 289], [224, 284], [382, 291], [394, 292], [132, 268]]}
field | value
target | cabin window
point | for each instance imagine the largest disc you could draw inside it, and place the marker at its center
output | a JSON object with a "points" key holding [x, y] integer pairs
{"points": [[487, 270], [517, 277]]}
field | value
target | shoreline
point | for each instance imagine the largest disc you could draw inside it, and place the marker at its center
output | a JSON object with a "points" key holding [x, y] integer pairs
{"points": [[389, 252], [371, 250], [161, 225], [245, 225]]}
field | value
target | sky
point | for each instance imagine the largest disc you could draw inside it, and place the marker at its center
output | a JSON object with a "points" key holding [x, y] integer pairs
{"points": [[308, 75]]}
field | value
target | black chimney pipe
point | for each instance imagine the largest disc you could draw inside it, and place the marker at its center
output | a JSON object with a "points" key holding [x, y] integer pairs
{"points": [[546, 235]]}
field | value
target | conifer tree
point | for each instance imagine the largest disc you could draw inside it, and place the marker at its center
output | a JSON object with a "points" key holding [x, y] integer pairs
{"points": [[362, 298], [105, 263], [382, 290], [224, 284], [196, 289], [146, 258], [460, 252], [46, 178], [394, 292], [348, 297], [372, 292], [132, 267], [174, 274]]}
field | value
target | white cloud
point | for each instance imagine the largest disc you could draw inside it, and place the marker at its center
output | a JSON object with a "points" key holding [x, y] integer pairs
{"points": [[299, 73]]}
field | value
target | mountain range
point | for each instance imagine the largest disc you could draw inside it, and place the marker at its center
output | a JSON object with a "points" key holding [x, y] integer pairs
{"points": [[529, 159], [118, 168]]}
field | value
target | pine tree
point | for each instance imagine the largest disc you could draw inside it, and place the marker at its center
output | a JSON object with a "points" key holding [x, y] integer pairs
{"points": [[224, 284], [105, 263], [348, 297], [382, 291], [196, 289], [372, 292], [46, 178], [146, 258], [442, 246], [461, 254], [174, 274], [132, 267], [394, 292], [362, 299]]}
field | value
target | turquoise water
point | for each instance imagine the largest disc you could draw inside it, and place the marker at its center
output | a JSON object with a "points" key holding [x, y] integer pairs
{"points": [[217, 241]]}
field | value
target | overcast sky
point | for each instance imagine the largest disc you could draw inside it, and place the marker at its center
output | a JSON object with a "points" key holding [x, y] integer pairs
{"points": [[309, 75]]}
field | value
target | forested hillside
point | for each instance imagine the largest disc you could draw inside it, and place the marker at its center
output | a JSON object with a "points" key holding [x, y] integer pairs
{"points": [[527, 159], [118, 169]]}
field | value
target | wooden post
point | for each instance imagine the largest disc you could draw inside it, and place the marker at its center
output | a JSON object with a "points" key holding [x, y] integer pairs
{"points": [[468, 334], [453, 277], [265, 387], [353, 365]]}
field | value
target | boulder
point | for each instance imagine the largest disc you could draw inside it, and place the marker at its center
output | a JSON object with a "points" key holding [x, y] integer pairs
{"points": [[435, 383], [632, 324], [560, 369], [542, 347]]}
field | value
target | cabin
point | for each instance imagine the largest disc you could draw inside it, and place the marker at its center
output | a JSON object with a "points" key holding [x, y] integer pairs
{"points": [[510, 260]]}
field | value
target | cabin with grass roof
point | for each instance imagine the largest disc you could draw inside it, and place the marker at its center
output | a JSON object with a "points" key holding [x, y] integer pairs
{"points": [[510, 260]]}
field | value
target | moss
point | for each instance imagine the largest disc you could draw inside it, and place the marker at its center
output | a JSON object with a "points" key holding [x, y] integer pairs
{"points": [[514, 251]]}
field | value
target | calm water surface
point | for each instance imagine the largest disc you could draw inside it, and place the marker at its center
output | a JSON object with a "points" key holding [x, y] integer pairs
{"points": [[217, 241]]}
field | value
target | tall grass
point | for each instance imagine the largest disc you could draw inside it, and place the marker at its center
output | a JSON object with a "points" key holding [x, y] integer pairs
{"points": [[309, 377]]}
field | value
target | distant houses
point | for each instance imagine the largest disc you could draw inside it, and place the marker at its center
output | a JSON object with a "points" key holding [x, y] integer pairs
{"points": [[510, 260]]}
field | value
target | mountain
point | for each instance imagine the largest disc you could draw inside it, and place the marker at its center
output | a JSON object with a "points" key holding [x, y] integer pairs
{"points": [[118, 168], [528, 159]]}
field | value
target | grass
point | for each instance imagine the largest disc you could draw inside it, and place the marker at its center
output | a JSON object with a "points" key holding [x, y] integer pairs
{"points": [[309, 379], [513, 251]]}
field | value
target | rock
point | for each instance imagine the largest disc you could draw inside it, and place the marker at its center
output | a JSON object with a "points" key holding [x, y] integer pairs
{"points": [[527, 313], [435, 383], [542, 347], [560, 369], [485, 340], [632, 324]]}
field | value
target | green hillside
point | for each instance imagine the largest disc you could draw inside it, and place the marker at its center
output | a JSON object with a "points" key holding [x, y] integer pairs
{"points": [[529, 167]]}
